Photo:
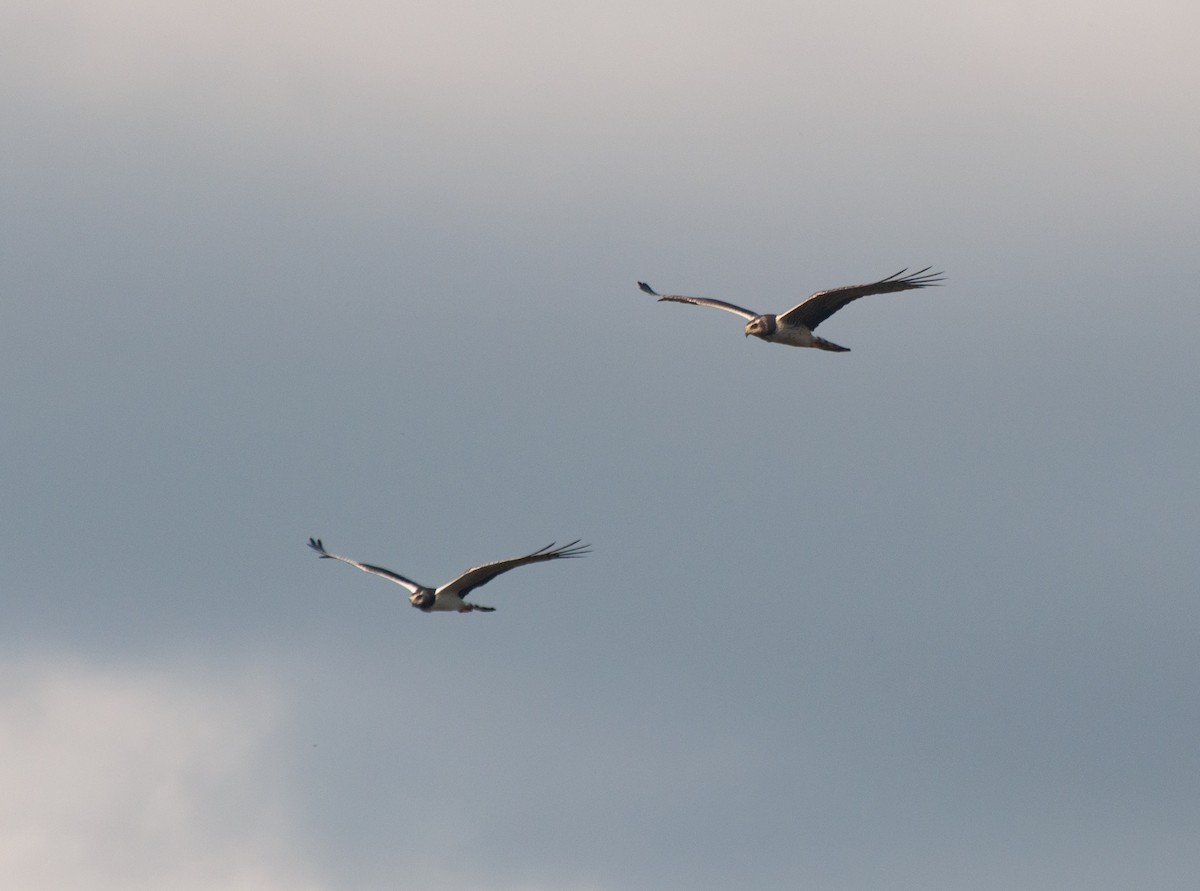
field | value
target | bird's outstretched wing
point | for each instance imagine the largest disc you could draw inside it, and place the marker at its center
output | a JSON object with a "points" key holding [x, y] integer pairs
{"points": [[413, 587], [481, 575], [821, 305], [700, 301]]}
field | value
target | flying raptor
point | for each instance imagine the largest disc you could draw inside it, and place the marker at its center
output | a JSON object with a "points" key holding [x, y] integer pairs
{"points": [[795, 327], [449, 597]]}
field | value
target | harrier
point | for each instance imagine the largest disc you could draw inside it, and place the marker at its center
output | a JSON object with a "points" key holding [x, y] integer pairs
{"points": [[795, 327], [449, 597]]}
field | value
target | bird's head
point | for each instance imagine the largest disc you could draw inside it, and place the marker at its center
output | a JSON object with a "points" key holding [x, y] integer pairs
{"points": [[422, 600], [760, 326]]}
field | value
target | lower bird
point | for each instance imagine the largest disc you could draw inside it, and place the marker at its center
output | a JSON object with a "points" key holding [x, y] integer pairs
{"points": [[450, 596], [795, 327]]}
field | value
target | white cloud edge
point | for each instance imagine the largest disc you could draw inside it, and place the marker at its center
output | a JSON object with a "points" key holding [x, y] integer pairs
{"points": [[134, 777], [137, 778]]}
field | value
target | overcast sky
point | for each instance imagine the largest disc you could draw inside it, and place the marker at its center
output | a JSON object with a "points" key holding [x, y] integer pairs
{"points": [[919, 616]]}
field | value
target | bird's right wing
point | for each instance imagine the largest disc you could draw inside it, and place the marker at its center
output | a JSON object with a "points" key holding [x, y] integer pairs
{"points": [[481, 575], [413, 587], [821, 305], [700, 301]]}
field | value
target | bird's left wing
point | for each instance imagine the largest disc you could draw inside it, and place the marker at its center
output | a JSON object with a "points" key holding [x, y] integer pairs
{"points": [[413, 587], [700, 301], [823, 304], [481, 575]]}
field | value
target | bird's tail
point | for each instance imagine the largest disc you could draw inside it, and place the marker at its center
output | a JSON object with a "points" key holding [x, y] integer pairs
{"points": [[475, 607], [823, 344]]}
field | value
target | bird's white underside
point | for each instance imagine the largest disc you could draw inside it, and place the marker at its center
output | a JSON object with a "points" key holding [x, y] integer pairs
{"points": [[447, 603], [800, 337]]}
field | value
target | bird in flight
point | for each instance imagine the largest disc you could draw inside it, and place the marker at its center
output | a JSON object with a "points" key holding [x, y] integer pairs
{"points": [[449, 597], [795, 327]]}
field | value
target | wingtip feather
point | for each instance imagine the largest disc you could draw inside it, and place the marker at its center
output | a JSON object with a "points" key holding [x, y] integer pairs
{"points": [[554, 551], [922, 278]]}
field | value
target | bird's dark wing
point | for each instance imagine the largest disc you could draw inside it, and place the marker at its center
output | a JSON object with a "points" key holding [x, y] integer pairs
{"points": [[821, 305], [481, 575], [413, 587], [700, 301]]}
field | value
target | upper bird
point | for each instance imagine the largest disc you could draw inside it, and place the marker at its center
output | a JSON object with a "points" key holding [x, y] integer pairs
{"points": [[795, 327], [449, 597]]}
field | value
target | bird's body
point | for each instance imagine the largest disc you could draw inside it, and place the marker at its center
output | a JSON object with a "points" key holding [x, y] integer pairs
{"points": [[795, 327], [450, 602], [767, 328], [450, 597]]}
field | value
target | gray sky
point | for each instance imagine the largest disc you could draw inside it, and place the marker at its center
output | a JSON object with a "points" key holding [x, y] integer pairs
{"points": [[921, 616]]}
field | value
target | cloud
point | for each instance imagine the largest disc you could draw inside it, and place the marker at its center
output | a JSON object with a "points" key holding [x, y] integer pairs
{"points": [[463, 103], [137, 779]]}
